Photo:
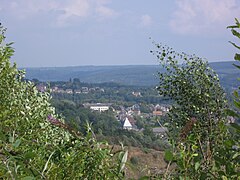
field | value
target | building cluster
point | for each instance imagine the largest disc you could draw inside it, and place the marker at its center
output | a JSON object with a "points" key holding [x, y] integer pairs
{"points": [[159, 110], [136, 94], [126, 115], [41, 87], [82, 90]]}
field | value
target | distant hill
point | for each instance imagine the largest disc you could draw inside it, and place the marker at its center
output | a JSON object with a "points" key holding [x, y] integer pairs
{"points": [[228, 74], [129, 75], [139, 75]]}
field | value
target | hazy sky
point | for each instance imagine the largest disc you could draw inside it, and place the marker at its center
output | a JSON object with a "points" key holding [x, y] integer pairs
{"points": [[116, 32]]}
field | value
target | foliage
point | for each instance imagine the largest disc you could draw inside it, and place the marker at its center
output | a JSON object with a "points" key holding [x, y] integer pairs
{"points": [[201, 142], [34, 143], [235, 31]]}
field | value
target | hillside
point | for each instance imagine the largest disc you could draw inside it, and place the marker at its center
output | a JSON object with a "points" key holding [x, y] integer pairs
{"points": [[129, 75], [141, 163], [139, 75]]}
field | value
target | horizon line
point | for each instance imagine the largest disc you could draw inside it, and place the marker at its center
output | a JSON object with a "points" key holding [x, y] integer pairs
{"points": [[105, 65]]}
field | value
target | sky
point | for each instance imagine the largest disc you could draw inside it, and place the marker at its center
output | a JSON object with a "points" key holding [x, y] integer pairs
{"points": [[53, 33]]}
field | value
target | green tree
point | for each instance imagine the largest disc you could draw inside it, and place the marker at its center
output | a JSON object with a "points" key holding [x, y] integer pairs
{"points": [[197, 119], [35, 143]]}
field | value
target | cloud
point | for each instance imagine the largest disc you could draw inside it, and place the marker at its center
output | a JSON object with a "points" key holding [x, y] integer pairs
{"points": [[23, 9], [105, 12], [199, 16], [146, 20], [74, 9], [64, 11]]}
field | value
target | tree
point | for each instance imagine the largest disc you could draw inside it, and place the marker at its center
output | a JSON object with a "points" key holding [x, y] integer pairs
{"points": [[35, 143], [197, 119]]}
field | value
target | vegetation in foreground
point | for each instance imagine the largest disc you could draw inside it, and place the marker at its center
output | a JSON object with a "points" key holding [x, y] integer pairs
{"points": [[205, 145], [36, 144]]}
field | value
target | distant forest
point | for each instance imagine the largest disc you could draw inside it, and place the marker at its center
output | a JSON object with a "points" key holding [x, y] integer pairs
{"points": [[135, 75]]}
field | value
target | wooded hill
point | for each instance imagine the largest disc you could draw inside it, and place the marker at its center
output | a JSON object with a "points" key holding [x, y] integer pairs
{"points": [[138, 75]]}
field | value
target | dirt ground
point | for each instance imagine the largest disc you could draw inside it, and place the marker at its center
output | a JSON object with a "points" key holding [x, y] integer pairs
{"points": [[144, 163]]}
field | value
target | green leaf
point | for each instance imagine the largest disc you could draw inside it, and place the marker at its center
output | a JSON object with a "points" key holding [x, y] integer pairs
{"points": [[224, 178], [2, 136], [235, 93], [46, 164], [23, 113], [237, 104], [144, 178], [235, 126], [29, 155], [231, 113], [237, 57], [124, 160], [197, 165], [235, 33], [168, 155], [236, 155], [11, 139], [234, 26], [28, 178], [228, 143], [237, 66], [17, 143], [236, 46], [194, 147]]}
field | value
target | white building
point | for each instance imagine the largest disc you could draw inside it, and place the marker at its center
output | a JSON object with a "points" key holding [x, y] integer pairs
{"points": [[69, 91], [98, 106], [78, 91], [85, 90], [127, 125]]}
